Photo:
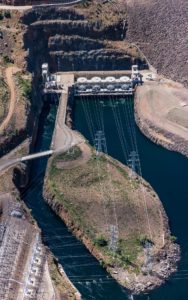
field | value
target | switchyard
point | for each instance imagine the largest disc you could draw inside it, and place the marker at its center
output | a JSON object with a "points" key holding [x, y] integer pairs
{"points": [[22, 256]]}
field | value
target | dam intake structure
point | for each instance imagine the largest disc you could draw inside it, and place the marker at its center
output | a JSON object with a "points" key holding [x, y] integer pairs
{"points": [[93, 82]]}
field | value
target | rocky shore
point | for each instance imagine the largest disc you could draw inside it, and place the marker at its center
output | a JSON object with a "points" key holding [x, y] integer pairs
{"points": [[171, 142]]}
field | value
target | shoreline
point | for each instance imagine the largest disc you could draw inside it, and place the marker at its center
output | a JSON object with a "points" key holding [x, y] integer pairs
{"points": [[153, 130]]}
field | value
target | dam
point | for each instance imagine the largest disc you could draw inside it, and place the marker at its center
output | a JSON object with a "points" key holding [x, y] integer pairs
{"points": [[93, 82], [69, 85]]}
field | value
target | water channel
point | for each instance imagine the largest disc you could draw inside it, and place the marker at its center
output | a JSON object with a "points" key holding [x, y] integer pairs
{"points": [[166, 171]]}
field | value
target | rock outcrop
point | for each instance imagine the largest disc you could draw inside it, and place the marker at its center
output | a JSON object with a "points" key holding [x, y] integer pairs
{"points": [[69, 41]]}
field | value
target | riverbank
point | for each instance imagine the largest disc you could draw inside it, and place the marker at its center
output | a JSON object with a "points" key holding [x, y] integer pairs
{"points": [[161, 110], [76, 173]]}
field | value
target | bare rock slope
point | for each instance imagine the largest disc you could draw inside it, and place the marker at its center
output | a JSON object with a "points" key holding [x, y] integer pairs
{"points": [[160, 29]]}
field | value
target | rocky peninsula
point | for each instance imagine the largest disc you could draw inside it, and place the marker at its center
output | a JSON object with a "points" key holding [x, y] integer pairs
{"points": [[79, 187]]}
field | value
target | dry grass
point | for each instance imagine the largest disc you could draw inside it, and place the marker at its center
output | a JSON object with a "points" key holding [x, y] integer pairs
{"points": [[11, 51], [11, 42], [4, 98], [103, 13], [18, 120]]}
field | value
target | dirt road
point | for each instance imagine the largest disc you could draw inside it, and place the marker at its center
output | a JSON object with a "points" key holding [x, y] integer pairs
{"points": [[84, 158], [10, 82]]}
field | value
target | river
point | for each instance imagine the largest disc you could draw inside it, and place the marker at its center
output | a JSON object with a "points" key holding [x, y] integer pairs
{"points": [[166, 171]]}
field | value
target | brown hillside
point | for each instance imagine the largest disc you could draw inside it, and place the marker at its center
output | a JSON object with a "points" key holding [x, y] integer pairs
{"points": [[160, 28]]}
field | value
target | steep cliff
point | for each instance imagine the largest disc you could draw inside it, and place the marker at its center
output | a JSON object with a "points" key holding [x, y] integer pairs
{"points": [[74, 40]]}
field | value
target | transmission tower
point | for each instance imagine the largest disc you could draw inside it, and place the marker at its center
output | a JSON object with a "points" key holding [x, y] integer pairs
{"points": [[148, 258], [133, 162], [100, 145], [114, 236], [100, 142]]}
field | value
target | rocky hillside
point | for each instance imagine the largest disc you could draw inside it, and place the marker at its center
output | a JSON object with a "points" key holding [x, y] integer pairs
{"points": [[160, 29], [75, 39]]}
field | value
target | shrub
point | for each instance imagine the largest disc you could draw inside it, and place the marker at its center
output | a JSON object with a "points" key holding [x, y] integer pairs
{"points": [[7, 59], [173, 238], [101, 241], [144, 240], [1, 16], [26, 87], [7, 14]]}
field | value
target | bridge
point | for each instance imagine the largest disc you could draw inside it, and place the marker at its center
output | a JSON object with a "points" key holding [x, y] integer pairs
{"points": [[5, 164]]}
